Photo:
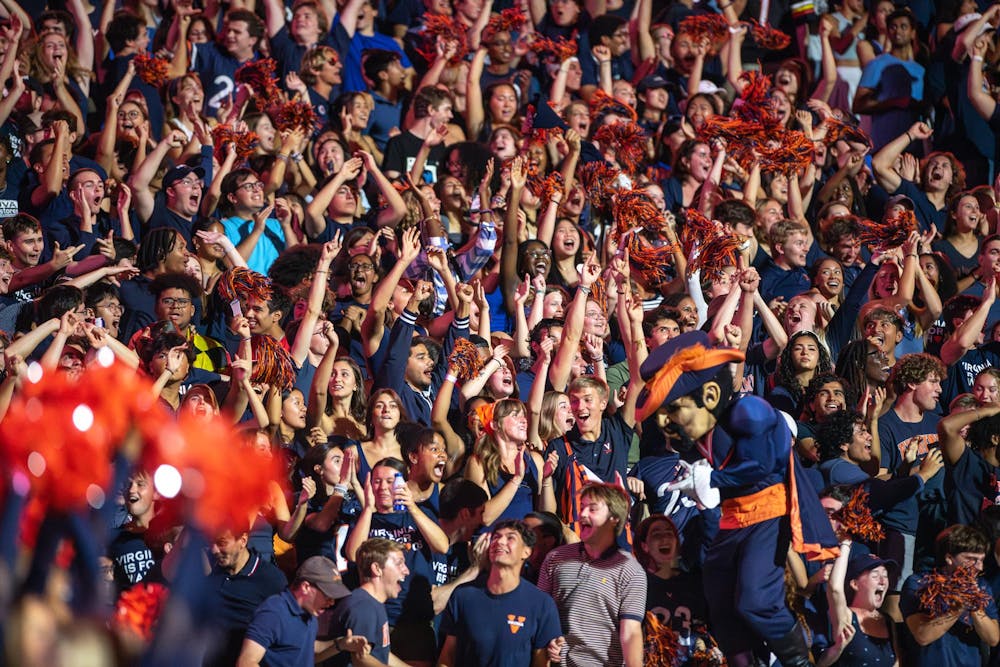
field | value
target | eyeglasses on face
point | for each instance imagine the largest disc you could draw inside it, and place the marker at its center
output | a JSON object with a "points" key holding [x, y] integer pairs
{"points": [[250, 187], [170, 302], [129, 115]]}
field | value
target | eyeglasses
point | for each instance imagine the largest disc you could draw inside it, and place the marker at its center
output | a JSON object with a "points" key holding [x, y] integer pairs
{"points": [[171, 302], [113, 307], [190, 183], [129, 115], [332, 62], [361, 267], [249, 187], [538, 253]]}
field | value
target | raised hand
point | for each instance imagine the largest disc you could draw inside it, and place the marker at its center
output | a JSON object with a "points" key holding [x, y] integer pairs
{"points": [[308, 489], [409, 248], [261, 216]]}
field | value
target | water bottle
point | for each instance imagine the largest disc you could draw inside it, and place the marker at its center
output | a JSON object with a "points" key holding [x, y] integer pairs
{"points": [[397, 484]]}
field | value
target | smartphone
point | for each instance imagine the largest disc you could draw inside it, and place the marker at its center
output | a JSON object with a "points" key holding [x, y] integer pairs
{"points": [[99, 322]]}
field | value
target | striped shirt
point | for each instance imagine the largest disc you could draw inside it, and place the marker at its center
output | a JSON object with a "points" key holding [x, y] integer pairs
{"points": [[593, 596]]}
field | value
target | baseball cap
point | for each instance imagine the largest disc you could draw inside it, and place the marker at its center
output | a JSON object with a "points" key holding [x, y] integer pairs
{"points": [[651, 82], [901, 200], [859, 563], [179, 172], [322, 573], [965, 20]]}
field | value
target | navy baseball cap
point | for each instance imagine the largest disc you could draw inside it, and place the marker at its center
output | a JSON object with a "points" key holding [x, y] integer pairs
{"points": [[179, 172]]}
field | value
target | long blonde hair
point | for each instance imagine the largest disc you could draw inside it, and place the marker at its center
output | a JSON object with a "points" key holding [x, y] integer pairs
{"points": [[547, 429]]}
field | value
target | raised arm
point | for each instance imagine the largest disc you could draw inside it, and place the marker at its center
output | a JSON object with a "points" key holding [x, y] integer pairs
{"points": [[314, 303], [982, 101], [373, 326], [315, 221], [884, 162], [52, 176], [142, 197], [84, 35], [475, 115], [349, 16], [395, 207], [966, 335], [559, 374]]}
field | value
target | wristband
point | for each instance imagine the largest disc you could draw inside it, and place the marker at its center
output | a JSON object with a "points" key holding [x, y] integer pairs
{"points": [[340, 488], [586, 290], [450, 378], [978, 59], [282, 156], [498, 201]]}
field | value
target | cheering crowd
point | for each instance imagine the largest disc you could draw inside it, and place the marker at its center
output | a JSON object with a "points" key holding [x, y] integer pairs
{"points": [[484, 332]]}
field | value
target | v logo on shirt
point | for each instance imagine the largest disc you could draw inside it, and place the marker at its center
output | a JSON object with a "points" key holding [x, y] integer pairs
{"points": [[515, 623]]}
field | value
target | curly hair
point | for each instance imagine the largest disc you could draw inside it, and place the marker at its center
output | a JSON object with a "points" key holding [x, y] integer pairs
{"points": [[914, 369], [983, 433], [786, 375], [835, 432]]}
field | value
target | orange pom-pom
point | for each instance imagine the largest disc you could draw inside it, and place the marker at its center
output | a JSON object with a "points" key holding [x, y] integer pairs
{"points": [[837, 130], [440, 28], [661, 647], [648, 260], [294, 115], [560, 49], [226, 481], [273, 364], [634, 210], [545, 188], [889, 234], [790, 151], [259, 75], [224, 136], [465, 360], [509, 20], [716, 249], [856, 520], [769, 38], [945, 593], [713, 27], [602, 104], [598, 180], [151, 70], [243, 283], [75, 425], [139, 608], [628, 141]]}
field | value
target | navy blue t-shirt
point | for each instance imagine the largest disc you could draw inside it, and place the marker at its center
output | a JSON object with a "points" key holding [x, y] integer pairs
{"points": [[217, 70], [364, 616], [414, 601], [894, 435], [499, 630], [970, 485]]}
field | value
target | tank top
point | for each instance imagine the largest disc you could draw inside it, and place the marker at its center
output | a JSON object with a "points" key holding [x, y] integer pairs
{"points": [[866, 650]]}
